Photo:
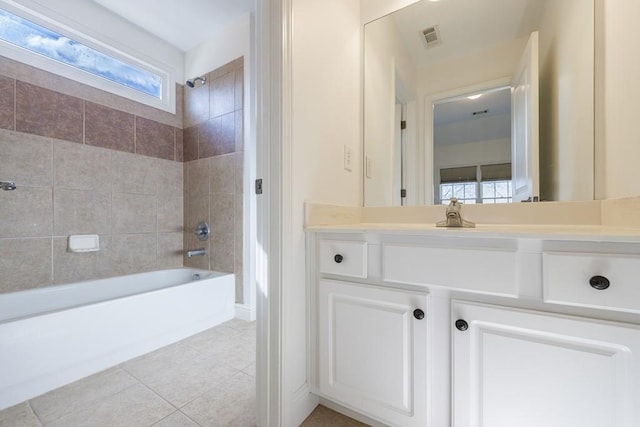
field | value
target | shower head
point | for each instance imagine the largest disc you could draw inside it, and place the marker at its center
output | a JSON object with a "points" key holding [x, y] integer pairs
{"points": [[192, 82]]}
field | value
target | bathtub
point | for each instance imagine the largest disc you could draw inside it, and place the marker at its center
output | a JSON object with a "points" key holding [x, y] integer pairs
{"points": [[52, 336]]}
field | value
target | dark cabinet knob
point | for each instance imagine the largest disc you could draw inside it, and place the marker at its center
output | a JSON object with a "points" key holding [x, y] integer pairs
{"points": [[338, 258], [462, 325], [418, 314], [599, 282]]}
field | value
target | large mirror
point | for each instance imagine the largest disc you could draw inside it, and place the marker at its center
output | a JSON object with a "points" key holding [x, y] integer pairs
{"points": [[485, 100]]}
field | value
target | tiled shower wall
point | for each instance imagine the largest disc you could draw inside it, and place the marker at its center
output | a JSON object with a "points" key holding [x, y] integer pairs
{"points": [[85, 162], [213, 155]]}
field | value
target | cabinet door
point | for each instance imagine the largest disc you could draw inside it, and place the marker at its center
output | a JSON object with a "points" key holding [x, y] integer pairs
{"points": [[372, 351], [522, 368]]}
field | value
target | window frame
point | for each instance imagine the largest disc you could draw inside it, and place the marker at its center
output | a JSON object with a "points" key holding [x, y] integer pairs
{"points": [[167, 102]]}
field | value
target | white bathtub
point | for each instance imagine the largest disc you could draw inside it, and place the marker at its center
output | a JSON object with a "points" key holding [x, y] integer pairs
{"points": [[56, 335]]}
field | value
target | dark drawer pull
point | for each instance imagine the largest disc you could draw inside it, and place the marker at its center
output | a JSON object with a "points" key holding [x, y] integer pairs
{"points": [[418, 314], [599, 282], [462, 325], [338, 258]]}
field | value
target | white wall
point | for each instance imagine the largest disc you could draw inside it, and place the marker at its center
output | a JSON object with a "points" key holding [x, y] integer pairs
{"points": [[567, 91], [230, 43], [374, 9], [325, 116], [618, 161], [387, 63]]}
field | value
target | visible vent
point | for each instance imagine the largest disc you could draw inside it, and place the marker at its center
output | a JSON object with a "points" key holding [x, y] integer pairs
{"points": [[431, 36], [481, 112]]}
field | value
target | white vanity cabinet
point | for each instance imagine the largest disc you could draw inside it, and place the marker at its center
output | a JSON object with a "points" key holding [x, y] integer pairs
{"points": [[372, 350], [528, 369], [518, 329]]}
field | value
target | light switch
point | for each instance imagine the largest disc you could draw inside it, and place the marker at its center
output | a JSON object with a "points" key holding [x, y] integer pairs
{"points": [[348, 158]]}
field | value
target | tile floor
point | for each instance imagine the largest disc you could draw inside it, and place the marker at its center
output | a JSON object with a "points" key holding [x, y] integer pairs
{"points": [[206, 380], [324, 417]]}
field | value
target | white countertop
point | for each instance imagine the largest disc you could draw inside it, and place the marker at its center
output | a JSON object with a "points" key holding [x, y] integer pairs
{"points": [[563, 232]]}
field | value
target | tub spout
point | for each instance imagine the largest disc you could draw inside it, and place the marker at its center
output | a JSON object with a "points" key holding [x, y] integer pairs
{"points": [[197, 252]]}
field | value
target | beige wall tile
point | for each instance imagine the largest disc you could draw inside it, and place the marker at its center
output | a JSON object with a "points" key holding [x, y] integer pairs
{"points": [[133, 253], [25, 264], [134, 213], [222, 94], [198, 177], [170, 214], [170, 250], [196, 104], [81, 167], [69, 267], [223, 174], [26, 212], [38, 77], [239, 173], [239, 88], [222, 213], [25, 159], [49, 113], [169, 177], [222, 252], [155, 139], [134, 173], [197, 211], [81, 212], [239, 130]]}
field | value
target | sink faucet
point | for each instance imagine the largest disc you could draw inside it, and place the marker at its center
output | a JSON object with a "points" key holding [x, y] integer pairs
{"points": [[454, 216]]}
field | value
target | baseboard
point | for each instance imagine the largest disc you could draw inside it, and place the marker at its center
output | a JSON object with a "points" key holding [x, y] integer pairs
{"points": [[245, 312]]}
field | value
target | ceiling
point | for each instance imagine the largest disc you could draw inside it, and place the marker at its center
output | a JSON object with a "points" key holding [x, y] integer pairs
{"points": [[461, 108], [182, 23], [465, 25]]}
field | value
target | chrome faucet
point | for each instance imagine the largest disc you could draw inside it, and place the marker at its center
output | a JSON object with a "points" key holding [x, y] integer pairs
{"points": [[197, 252], [454, 216]]}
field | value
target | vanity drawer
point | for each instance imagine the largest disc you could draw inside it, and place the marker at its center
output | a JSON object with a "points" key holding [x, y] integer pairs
{"points": [[483, 270], [345, 258], [592, 280]]}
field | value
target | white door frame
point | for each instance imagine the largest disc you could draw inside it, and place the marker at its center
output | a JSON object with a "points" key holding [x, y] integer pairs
{"points": [[272, 40]]}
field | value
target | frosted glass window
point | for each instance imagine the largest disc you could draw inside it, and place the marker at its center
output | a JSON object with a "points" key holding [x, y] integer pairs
{"points": [[38, 39]]}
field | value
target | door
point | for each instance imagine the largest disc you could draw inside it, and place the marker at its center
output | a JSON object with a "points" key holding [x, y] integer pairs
{"points": [[372, 351], [524, 126], [532, 369]]}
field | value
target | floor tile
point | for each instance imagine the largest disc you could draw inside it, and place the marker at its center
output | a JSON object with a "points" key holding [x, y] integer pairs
{"points": [[205, 341], [250, 370], [19, 415], [177, 419], [157, 362], [231, 405], [323, 416], [81, 394], [179, 384], [136, 406]]}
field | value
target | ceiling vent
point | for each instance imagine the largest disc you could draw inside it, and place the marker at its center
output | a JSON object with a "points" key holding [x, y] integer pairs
{"points": [[431, 36]]}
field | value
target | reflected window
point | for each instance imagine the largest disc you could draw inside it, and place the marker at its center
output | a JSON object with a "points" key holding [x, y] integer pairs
{"points": [[488, 184]]}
